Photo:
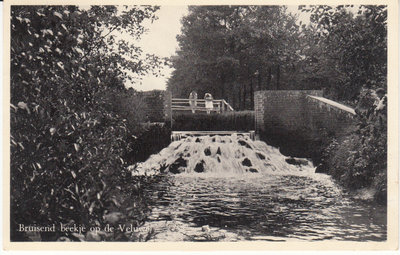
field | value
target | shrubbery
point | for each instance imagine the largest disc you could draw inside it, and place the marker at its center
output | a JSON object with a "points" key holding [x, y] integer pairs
{"points": [[227, 121], [359, 160], [67, 140], [149, 141]]}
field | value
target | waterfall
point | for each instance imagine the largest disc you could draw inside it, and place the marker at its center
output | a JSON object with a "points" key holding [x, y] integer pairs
{"points": [[221, 155]]}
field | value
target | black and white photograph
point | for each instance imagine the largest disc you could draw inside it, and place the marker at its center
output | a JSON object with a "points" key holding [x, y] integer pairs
{"points": [[199, 123]]}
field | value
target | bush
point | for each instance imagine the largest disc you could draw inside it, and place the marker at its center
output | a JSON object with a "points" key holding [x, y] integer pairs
{"points": [[149, 141], [64, 168], [227, 121], [67, 141], [359, 160]]}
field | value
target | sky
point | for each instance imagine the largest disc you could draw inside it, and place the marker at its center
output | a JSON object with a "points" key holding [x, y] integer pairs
{"points": [[161, 41]]}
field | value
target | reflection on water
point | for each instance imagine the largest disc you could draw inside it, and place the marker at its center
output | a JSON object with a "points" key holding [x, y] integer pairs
{"points": [[225, 202], [264, 208]]}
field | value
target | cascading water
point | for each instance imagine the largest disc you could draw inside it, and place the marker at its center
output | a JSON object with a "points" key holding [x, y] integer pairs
{"points": [[221, 155], [230, 188]]}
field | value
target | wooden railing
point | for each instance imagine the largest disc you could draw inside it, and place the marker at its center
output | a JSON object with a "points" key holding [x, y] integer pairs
{"points": [[183, 104], [178, 135]]}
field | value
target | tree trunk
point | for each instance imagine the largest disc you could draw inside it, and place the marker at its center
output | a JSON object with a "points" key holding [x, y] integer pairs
{"points": [[240, 98], [244, 97], [251, 94], [278, 76], [269, 78], [232, 95], [222, 90]]}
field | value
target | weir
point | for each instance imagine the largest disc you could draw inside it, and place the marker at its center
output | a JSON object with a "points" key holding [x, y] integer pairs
{"points": [[228, 186], [178, 135], [234, 153]]}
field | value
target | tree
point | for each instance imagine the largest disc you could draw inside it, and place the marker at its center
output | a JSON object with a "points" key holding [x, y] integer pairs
{"points": [[232, 51], [66, 142], [348, 51]]}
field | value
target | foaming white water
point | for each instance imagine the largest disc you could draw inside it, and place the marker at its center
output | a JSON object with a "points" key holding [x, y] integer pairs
{"points": [[281, 199], [219, 156]]}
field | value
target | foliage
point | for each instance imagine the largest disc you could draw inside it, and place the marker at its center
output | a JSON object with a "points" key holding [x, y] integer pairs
{"points": [[359, 160], [150, 141], [232, 51], [345, 52], [234, 121], [129, 104], [66, 141], [153, 104]]}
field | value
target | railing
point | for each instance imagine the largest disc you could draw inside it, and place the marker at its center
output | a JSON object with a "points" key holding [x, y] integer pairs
{"points": [[336, 105], [183, 104], [178, 135]]}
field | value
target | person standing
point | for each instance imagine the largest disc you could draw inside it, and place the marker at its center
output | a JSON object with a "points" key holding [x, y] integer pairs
{"points": [[209, 102], [193, 101]]}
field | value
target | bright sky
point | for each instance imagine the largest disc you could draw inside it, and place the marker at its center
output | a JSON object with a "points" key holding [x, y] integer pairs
{"points": [[304, 17], [161, 41]]}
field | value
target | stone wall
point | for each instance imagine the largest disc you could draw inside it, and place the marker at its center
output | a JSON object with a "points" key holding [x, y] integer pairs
{"points": [[329, 117], [301, 112]]}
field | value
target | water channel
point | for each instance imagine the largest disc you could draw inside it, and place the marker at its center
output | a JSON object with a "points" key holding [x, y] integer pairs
{"points": [[246, 190]]}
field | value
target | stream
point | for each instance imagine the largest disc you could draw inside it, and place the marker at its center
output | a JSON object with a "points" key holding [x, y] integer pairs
{"points": [[246, 190]]}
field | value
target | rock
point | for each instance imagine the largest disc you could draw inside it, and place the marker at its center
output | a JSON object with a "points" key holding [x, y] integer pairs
{"points": [[197, 140], [260, 156], [253, 170], [296, 161], [246, 162], [163, 167], [178, 166], [207, 151], [243, 143], [199, 168], [219, 151]]}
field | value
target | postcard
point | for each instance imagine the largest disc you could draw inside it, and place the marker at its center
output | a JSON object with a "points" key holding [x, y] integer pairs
{"points": [[200, 125]]}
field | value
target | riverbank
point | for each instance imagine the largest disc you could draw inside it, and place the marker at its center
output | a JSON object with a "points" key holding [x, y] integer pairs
{"points": [[356, 159]]}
